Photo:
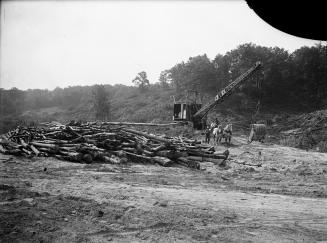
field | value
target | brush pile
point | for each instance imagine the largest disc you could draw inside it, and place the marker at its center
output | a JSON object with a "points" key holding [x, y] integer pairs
{"points": [[307, 130], [103, 142]]}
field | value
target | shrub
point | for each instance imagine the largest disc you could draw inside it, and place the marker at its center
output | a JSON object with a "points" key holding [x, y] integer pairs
{"points": [[290, 141], [322, 146]]}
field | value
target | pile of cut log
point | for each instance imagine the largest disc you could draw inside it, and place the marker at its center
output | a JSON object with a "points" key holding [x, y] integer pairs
{"points": [[102, 142]]}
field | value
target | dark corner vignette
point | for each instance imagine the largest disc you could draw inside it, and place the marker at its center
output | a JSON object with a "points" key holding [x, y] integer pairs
{"points": [[299, 18]]}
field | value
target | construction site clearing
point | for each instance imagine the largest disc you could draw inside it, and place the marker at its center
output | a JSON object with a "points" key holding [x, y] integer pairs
{"points": [[100, 183]]}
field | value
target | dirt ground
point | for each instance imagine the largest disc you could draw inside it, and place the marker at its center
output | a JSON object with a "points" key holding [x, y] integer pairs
{"points": [[284, 200]]}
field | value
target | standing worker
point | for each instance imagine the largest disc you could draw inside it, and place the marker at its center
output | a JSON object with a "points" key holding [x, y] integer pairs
{"points": [[207, 134], [217, 122]]}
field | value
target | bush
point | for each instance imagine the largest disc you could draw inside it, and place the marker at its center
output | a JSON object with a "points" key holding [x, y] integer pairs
{"points": [[322, 146], [290, 141]]}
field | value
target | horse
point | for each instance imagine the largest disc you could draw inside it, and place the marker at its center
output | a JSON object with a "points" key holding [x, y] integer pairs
{"points": [[213, 125], [227, 133], [217, 134]]}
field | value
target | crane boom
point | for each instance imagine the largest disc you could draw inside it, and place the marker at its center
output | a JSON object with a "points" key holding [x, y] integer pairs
{"points": [[227, 91]]}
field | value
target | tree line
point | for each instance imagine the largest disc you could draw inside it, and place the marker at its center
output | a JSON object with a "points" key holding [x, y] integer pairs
{"points": [[294, 81]]}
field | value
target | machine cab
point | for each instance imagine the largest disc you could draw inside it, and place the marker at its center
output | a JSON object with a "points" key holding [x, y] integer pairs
{"points": [[185, 108], [185, 111]]}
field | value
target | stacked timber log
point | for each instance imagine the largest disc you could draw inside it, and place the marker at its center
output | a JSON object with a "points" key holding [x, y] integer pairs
{"points": [[103, 142]]}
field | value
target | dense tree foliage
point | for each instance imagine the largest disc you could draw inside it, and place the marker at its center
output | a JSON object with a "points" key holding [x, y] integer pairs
{"points": [[165, 79], [101, 103], [292, 81], [12, 101], [141, 81], [198, 73], [309, 75]]}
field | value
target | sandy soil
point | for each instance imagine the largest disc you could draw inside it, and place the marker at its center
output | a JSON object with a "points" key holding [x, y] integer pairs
{"points": [[284, 200]]}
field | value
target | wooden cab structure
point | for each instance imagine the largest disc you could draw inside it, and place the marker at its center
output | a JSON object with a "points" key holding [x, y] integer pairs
{"points": [[184, 111]]}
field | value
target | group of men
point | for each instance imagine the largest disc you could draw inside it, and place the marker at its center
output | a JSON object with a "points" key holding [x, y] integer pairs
{"points": [[218, 133]]}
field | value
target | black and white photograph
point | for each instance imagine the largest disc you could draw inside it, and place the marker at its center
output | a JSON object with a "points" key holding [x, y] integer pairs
{"points": [[161, 121]]}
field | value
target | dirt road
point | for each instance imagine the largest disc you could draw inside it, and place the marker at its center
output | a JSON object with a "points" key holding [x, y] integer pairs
{"points": [[284, 200]]}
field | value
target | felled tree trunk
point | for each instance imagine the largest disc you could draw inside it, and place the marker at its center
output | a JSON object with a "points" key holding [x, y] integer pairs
{"points": [[139, 124], [2, 149], [162, 161], [91, 142], [156, 138], [35, 151], [189, 163]]}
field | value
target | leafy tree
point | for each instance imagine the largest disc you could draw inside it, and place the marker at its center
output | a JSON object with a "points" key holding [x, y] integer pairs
{"points": [[165, 79], [101, 103], [197, 74], [222, 64], [141, 81], [310, 75], [277, 85], [12, 101], [178, 76]]}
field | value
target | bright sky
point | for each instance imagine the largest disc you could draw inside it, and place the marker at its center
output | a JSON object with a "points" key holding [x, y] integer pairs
{"points": [[45, 44]]}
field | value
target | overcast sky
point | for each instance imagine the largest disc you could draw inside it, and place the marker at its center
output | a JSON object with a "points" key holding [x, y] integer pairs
{"points": [[45, 44]]}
